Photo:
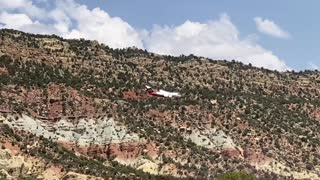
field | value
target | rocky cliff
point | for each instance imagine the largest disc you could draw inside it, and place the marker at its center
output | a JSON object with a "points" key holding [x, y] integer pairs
{"points": [[78, 109]]}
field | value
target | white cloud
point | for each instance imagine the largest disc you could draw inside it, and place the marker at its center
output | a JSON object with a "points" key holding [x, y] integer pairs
{"points": [[14, 21], [269, 27], [72, 20], [25, 6], [94, 24], [216, 39], [313, 66]]}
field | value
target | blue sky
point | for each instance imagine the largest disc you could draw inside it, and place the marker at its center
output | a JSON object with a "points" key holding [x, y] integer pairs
{"points": [[298, 17], [273, 34]]}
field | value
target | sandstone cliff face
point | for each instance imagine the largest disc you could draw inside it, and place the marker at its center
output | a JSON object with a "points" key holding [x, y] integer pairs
{"points": [[16, 164], [83, 133], [104, 134], [99, 135]]}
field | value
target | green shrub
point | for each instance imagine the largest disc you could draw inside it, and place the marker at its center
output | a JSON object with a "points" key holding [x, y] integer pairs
{"points": [[236, 176]]}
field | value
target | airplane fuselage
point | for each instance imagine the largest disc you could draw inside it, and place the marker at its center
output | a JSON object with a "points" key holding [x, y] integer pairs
{"points": [[162, 93]]}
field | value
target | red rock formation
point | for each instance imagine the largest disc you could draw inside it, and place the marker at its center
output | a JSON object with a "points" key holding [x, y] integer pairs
{"points": [[130, 95], [156, 113], [123, 151], [233, 153], [55, 109], [315, 115], [3, 71], [255, 157]]}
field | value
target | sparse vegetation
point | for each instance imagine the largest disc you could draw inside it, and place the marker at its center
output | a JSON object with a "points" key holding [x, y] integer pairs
{"points": [[236, 176], [266, 113]]}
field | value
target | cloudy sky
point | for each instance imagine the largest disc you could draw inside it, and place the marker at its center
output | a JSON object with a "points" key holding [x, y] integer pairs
{"points": [[279, 35]]}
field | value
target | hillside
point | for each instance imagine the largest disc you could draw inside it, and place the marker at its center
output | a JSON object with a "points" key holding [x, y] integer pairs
{"points": [[77, 108]]}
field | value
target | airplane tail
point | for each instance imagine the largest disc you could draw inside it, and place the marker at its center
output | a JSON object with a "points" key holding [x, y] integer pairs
{"points": [[149, 89]]}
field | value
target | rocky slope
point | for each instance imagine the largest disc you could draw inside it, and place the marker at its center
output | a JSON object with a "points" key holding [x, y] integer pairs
{"points": [[78, 109]]}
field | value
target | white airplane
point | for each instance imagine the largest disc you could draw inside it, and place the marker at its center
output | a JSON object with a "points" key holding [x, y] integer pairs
{"points": [[162, 93]]}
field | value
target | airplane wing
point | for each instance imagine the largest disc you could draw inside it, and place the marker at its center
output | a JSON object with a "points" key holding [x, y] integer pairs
{"points": [[162, 92], [168, 94]]}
